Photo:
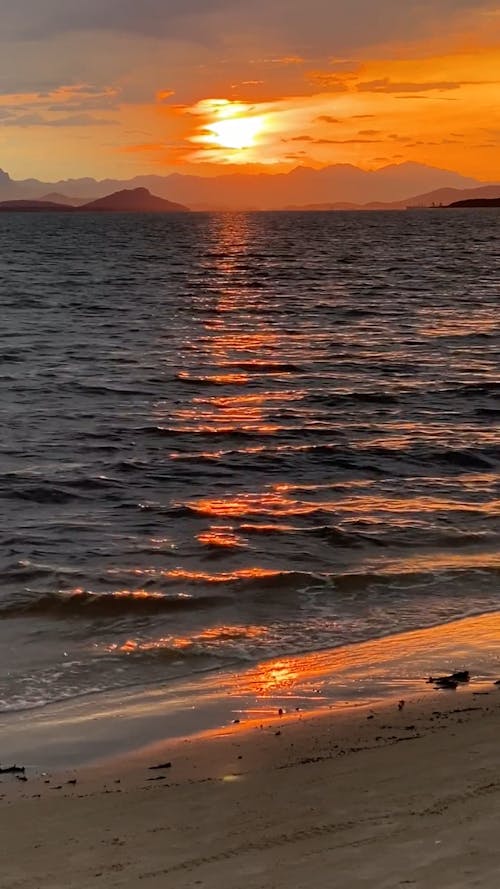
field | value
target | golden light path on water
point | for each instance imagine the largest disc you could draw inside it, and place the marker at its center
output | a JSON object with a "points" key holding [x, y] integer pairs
{"points": [[245, 354]]}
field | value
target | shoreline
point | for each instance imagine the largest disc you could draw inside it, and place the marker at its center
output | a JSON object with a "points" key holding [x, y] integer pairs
{"points": [[376, 792], [95, 728]]}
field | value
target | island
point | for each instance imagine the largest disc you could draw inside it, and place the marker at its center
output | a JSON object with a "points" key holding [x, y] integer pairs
{"points": [[32, 206], [476, 202], [129, 200], [133, 200]]}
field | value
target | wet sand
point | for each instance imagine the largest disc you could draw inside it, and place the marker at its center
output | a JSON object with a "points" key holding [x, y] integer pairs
{"points": [[104, 726]]}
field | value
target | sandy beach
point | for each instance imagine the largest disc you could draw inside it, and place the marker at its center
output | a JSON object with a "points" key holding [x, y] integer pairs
{"points": [[372, 795], [405, 798]]}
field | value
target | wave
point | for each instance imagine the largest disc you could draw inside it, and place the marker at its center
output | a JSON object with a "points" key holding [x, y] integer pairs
{"points": [[205, 432], [487, 411], [363, 456], [40, 494], [332, 400], [53, 493], [489, 389], [83, 603], [12, 358], [264, 366]]}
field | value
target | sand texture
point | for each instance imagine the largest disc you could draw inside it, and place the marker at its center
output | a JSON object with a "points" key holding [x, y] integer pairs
{"points": [[378, 798]]}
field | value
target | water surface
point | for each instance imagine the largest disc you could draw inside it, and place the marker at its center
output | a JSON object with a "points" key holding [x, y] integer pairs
{"points": [[228, 437]]}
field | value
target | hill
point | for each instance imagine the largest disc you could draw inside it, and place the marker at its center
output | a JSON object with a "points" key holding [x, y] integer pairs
{"points": [[133, 200], [477, 202]]}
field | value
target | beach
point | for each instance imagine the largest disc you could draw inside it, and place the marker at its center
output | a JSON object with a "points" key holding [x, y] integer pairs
{"points": [[371, 793], [250, 449], [251, 476]]}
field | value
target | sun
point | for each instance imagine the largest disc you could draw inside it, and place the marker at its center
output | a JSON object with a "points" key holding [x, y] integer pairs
{"points": [[235, 132]]}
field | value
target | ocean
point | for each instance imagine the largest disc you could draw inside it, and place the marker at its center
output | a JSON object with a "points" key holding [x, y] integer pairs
{"points": [[230, 437]]}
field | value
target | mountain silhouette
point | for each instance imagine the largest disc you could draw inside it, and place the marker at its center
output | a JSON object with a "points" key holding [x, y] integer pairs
{"points": [[56, 197], [439, 197], [34, 206], [133, 200], [478, 202], [242, 191]]}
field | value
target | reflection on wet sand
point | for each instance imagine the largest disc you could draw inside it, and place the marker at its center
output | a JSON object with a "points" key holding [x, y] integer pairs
{"points": [[393, 665]]}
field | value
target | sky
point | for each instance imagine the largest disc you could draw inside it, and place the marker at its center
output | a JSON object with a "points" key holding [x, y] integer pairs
{"points": [[120, 87]]}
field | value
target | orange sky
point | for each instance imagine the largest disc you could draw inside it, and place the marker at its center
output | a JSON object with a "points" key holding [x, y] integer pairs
{"points": [[93, 100]]}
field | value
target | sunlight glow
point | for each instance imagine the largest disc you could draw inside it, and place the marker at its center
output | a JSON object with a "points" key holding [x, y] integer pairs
{"points": [[228, 130], [236, 132]]}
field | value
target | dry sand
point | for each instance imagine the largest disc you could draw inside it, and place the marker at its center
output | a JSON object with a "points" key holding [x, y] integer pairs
{"points": [[405, 798]]}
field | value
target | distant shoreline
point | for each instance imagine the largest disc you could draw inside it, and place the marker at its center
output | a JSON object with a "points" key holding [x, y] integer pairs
{"points": [[83, 210]]}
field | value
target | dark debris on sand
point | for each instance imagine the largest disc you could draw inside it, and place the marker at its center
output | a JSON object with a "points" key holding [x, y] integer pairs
{"points": [[452, 681]]}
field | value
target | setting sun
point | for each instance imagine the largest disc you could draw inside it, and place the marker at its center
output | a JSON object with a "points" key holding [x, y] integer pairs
{"points": [[235, 132]]}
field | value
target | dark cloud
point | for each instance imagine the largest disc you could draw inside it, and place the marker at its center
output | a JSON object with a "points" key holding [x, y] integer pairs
{"points": [[335, 26]]}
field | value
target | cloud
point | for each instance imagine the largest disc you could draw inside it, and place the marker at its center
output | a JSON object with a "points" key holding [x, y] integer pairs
{"points": [[83, 98], [336, 27], [354, 141], [143, 147], [385, 85], [64, 98], [247, 83], [349, 82], [327, 118], [38, 120], [319, 141], [331, 81], [287, 60], [163, 95]]}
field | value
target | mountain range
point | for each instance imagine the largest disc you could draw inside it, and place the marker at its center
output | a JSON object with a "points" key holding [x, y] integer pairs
{"points": [[340, 186]]}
